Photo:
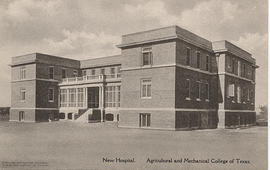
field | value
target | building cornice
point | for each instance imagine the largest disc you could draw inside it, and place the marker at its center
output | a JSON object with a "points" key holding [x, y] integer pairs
{"points": [[33, 79], [236, 76], [168, 65], [179, 37]]}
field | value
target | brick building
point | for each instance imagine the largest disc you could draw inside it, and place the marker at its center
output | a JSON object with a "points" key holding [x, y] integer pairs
{"points": [[167, 78]]}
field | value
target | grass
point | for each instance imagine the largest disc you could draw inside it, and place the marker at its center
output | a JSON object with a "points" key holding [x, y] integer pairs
{"points": [[69, 145]]}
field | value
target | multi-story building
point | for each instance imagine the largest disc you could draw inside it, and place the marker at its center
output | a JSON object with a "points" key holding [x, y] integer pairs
{"points": [[167, 78]]}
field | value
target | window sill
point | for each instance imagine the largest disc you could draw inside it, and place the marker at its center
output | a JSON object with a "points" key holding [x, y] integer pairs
{"points": [[187, 98], [51, 101], [146, 66], [146, 97], [22, 101], [198, 100], [207, 100]]}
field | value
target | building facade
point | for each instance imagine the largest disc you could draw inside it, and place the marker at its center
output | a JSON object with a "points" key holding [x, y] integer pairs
{"points": [[167, 78]]}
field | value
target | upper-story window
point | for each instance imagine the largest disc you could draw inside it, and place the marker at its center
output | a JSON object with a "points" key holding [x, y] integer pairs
{"points": [[230, 90], [239, 93], [22, 72], [198, 91], [233, 65], [208, 63], [84, 73], [146, 56], [188, 89], [75, 73], [205, 91], [51, 72], [146, 88], [50, 94], [198, 54], [118, 71], [188, 57], [243, 71], [248, 94], [22, 94], [239, 68], [64, 73], [102, 71], [253, 74], [112, 72], [93, 72]]}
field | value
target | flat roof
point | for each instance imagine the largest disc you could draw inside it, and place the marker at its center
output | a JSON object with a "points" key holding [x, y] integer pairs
{"points": [[101, 61], [165, 33]]}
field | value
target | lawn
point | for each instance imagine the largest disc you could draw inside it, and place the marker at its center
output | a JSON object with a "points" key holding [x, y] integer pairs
{"points": [[70, 146]]}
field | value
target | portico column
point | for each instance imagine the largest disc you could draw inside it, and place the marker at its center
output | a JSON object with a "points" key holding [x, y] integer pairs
{"points": [[86, 97], [76, 97]]}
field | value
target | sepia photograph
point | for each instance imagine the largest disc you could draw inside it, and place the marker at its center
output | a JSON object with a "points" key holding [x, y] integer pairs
{"points": [[134, 84]]}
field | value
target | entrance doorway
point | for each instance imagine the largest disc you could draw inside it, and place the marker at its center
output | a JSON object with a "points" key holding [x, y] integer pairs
{"points": [[21, 116], [93, 97]]}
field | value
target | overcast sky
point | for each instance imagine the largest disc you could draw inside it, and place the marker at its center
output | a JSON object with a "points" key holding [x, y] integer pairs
{"points": [[85, 29]]}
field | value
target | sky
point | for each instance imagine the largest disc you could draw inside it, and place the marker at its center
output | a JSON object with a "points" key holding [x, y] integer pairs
{"points": [[92, 28]]}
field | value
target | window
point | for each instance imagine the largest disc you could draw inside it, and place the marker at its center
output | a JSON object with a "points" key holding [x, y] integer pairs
{"points": [[72, 97], [253, 74], [22, 73], [146, 88], [118, 72], [206, 91], [63, 98], [112, 96], [21, 116], [51, 95], [198, 90], [22, 94], [145, 119], [238, 94], [84, 72], [208, 63], [51, 72], [230, 90], [112, 72], [75, 73], [187, 89], [248, 94], [229, 63], [251, 96], [244, 70], [239, 68], [64, 73], [80, 96], [118, 89], [147, 56], [234, 66], [102, 71], [188, 57], [93, 72], [198, 59]]}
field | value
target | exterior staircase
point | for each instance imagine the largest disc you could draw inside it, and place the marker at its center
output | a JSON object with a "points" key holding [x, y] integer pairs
{"points": [[83, 116]]}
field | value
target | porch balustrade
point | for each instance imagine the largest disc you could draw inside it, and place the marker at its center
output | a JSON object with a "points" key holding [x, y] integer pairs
{"points": [[90, 78]]}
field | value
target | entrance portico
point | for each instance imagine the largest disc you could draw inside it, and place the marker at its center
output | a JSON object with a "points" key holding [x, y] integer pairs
{"points": [[77, 99]]}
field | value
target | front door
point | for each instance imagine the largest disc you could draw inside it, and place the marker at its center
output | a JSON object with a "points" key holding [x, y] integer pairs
{"points": [[21, 116], [93, 97]]}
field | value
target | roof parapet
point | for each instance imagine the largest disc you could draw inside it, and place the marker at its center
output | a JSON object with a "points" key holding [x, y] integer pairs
{"points": [[226, 46]]}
